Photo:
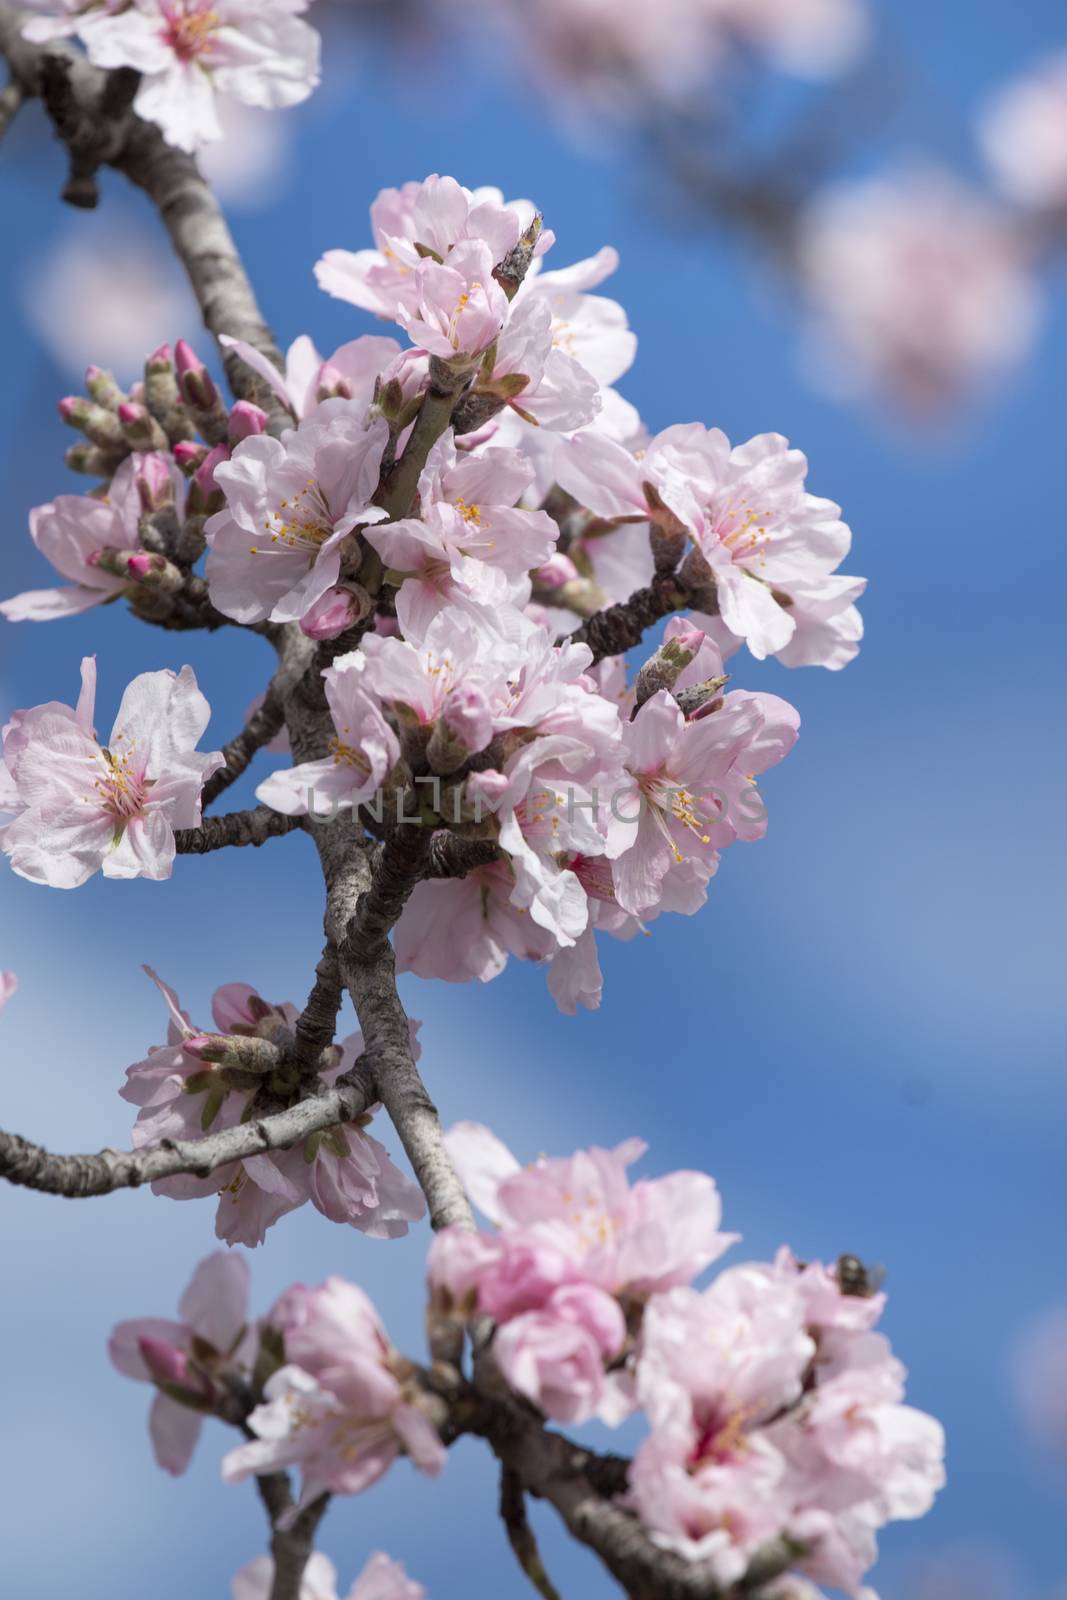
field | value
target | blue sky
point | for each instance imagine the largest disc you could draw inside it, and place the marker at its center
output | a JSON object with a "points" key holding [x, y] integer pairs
{"points": [[861, 1037]]}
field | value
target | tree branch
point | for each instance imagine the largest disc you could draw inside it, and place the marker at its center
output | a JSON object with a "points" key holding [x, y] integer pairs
{"points": [[292, 1546], [78, 1177], [317, 1024], [262, 726], [236, 828], [91, 111], [620, 627]]}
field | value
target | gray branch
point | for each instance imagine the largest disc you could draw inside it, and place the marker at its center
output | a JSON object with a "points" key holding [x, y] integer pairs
{"points": [[30, 1166], [235, 829], [262, 726]]}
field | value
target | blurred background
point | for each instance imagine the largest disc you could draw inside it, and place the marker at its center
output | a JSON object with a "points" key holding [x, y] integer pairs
{"points": [[831, 229]]}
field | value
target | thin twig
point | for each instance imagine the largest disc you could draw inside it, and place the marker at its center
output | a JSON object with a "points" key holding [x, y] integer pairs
{"points": [[262, 726], [235, 829]]}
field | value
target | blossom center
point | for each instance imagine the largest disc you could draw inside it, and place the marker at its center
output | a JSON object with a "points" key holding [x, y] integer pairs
{"points": [[742, 531], [123, 792], [190, 27], [303, 522]]}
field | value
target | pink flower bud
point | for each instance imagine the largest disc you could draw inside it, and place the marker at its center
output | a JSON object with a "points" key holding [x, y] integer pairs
{"points": [[194, 380], [202, 1046], [468, 718], [204, 476], [246, 420], [557, 570], [139, 565], [163, 357], [681, 631], [339, 608], [332, 384], [129, 414], [167, 1364], [153, 480], [189, 453], [70, 407]]}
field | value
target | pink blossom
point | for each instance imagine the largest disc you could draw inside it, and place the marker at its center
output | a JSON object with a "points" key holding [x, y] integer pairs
{"points": [[690, 789], [291, 505], [189, 1355], [356, 366], [333, 613], [363, 752], [73, 530], [80, 807], [345, 1173], [187, 51], [470, 539], [555, 1356], [58, 19], [344, 1408], [1024, 133], [919, 289], [8, 985], [465, 929], [421, 221], [458, 308], [558, 393], [635, 1239], [589, 328]]}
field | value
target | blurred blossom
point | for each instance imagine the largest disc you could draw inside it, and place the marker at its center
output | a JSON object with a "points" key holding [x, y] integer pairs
{"points": [[622, 59], [919, 289], [808, 38], [1040, 1373], [251, 166], [105, 295], [971, 1570], [1024, 133]]}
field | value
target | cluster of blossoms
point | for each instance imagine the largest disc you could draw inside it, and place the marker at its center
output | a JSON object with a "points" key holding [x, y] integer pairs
{"points": [[615, 58], [261, 52], [921, 289], [201, 1083], [775, 1410], [463, 704]]}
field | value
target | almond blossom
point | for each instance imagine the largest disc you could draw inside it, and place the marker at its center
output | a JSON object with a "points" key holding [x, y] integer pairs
{"points": [[920, 289], [183, 1090], [381, 1579], [81, 807], [291, 503], [85, 538], [310, 379], [187, 51], [1024, 135], [363, 751], [470, 540], [575, 1245], [344, 1408], [770, 549], [186, 1359], [421, 222]]}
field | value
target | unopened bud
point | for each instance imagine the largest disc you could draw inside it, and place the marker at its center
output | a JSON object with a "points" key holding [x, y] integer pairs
{"points": [[90, 459], [189, 454], [234, 1050], [465, 727], [515, 265], [163, 397], [103, 388], [154, 571], [204, 476], [246, 420], [339, 609], [99, 425], [155, 486], [582, 596], [333, 385], [140, 427], [702, 699], [663, 670], [169, 1369], [200, 394], [557, 570]]}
